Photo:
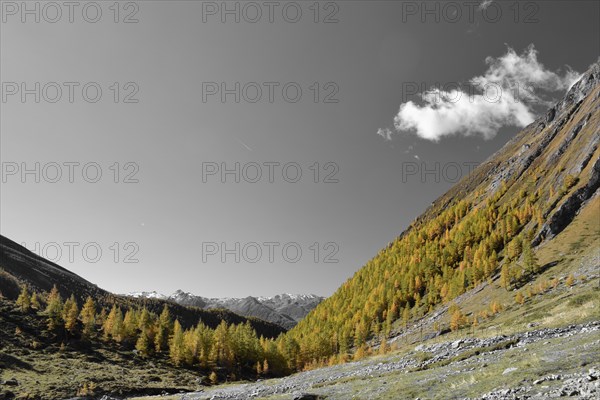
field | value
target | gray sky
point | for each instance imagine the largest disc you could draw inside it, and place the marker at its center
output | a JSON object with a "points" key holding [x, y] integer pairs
{"points": [[366, 62]]}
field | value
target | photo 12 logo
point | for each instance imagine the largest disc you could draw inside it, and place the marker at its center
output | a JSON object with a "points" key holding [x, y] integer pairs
{"points": [[455, 92], [450, 172], [69, 172], [452, 12], [253, 12], [52, 12], [69, 92], [270, 252], [88, 252], [269, 172], [269, 92]]}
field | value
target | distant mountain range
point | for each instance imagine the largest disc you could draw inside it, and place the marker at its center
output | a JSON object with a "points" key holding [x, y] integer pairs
{"points": [[19, 266], [285, 310], [268, 315]]}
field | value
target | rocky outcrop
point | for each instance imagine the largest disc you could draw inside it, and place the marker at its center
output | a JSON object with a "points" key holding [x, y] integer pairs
{"points": [[581, 386], [569, 208], [581, 89], [568, 139]]}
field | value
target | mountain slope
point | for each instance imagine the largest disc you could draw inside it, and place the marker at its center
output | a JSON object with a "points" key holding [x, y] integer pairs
{"points": [[508, 260], [524, 195], [18, 265], [284, 310]]}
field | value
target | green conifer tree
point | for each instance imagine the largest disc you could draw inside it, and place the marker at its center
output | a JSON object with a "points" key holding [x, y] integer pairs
{"points": [[54, 309], [70, 314], [35, 301], [143, 344], [88, 317], [24, 300], [163, 329], [176, 345]]}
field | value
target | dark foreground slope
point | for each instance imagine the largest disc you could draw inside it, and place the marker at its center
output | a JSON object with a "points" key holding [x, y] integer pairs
{"points": [[41, 359], [35, 365]]}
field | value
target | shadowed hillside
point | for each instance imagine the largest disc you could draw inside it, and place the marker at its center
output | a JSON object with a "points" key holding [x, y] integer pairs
{"points": [[18, 265]]}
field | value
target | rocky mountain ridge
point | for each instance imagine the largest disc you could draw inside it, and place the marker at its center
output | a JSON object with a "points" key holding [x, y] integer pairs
{"points": [[284, 310]]}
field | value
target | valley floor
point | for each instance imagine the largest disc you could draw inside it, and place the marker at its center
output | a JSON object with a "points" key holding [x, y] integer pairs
{"points": [[546, 347], [539, 364]]}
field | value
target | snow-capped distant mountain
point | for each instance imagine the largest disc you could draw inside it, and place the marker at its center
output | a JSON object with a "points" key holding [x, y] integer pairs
{"points": [[284, 309], [148, 295], [295, 306]]}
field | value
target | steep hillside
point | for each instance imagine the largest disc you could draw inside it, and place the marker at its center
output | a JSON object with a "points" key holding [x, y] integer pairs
{"points": [[284, 310], [20, 266], [490, 294], [546, 348], [486, 232]]}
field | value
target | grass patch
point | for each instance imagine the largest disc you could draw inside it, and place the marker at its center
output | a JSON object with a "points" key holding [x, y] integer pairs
{"points": [[422, 356], [581, 299], [468, 354]]}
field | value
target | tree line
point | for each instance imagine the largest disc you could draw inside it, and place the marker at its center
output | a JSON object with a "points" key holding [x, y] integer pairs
{"points": [[228, 352], [436, 260]]}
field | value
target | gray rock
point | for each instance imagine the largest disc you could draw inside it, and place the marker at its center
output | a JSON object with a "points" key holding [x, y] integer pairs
{"points": [[306, 396]]}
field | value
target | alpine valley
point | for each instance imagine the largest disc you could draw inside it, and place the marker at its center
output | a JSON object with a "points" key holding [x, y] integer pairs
{"points": [[491, 293]]}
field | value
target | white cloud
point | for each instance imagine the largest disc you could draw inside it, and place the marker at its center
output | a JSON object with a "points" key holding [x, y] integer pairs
{"points": [[503, 96], [523, 74]]}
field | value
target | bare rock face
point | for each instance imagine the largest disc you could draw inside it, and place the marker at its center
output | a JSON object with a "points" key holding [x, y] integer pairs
{"points": [[582, 88], [571, 129], [568, 209]]}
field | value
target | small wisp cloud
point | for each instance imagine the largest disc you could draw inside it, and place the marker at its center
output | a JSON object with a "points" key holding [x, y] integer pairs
{"points": [[485, 4], [505, 95]]}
